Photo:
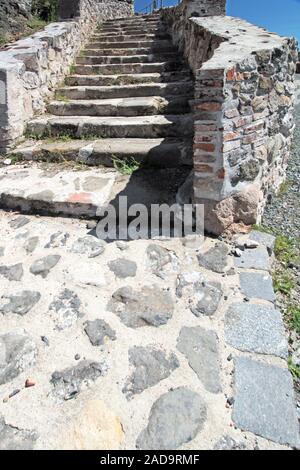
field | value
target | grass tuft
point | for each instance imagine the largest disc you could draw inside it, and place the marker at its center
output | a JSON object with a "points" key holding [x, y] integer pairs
{"points": [[126, 167]]}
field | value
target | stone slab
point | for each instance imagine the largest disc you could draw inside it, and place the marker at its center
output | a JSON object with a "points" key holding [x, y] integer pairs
{"points": [[69, 192], [256, 328], [200, 347], [257, 285], [257, 258], [265, 239], [264, 401]]}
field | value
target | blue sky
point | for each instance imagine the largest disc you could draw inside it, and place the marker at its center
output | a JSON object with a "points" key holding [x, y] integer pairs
{"points": [[280, 16]]}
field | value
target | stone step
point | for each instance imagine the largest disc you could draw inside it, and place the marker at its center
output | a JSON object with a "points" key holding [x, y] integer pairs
{"points": [[129, 51], [61, 192], [124, 91], [52, 189], [112, 30], [128, 79], [128, 44], [130, 37], [112, 127], [159, 153], [134, 59], [109, 69], [131, 21], [136, 106]]}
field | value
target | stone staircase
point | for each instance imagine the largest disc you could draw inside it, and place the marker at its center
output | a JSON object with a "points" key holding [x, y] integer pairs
{"points": [[127, 96]]}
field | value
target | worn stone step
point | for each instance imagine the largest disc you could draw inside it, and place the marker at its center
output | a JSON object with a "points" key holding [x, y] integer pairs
{"points": [[56, 192], [134, 59], [130, 37], [131, 21], [51, 189], [125, 91], [159, 153], [128, 52], [112, 30], [136, 106], [128, 44], [112, 127], [109, 69], [128, 79]]}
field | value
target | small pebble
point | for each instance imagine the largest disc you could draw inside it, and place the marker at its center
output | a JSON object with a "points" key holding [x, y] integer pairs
{"points": [[45, 340], [30, 383], [77, 357], [237, 252], [15, 392], [230, 401], [91, 224]]}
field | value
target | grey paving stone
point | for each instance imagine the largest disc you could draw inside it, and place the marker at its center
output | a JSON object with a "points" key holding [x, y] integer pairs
{"points": [[264, 401], [43, 266], [12, 273], [57, 240], [19, 222], [200, 347], [68, 383], [257, 285], [99, 332], [159, 258], [150, 306], [256, 328], [257, 258], [175, 419], [151, 365], [31, 244], [17, 353], [215, 259], [12, 438], [203, 296], [206, 299], [89, 245], [20, 302], [65, 309], [123, 268], [265, 239]]}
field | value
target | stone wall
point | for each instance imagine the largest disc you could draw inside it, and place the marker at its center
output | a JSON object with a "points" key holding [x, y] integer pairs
{"points": [[244, 95], [31, 68]]}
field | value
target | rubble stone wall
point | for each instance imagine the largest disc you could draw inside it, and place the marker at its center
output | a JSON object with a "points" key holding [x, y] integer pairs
{"points": [[243, 109], [31, 68]]}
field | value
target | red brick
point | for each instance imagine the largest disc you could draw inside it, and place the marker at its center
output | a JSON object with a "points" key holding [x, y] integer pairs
{"points": [[204, 138], [231, 74], [205, 146], [230, 136], [209, 106], [202, 168], [205, 127], [221, 174], [243, 121]]}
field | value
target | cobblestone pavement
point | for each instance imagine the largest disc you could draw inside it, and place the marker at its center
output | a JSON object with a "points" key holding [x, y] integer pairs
{"points": [[145, 344]]}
